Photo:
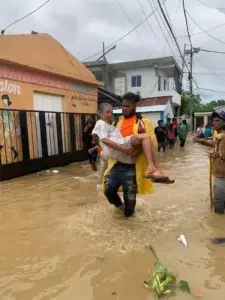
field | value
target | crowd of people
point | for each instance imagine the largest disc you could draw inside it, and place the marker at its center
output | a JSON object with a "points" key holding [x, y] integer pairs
{"points": [[126, 152], [167, 135], [205, 131]]}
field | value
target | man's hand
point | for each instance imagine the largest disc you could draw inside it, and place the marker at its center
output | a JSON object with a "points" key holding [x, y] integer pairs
{"points": [[196, 140], [128, 151], [214, 155]]}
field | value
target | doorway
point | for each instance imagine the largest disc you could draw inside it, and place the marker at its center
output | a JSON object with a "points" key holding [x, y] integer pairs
{"points": [[49, 104]]}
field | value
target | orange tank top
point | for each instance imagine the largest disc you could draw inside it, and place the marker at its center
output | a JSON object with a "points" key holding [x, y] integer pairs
{"points": [[127, 126]]}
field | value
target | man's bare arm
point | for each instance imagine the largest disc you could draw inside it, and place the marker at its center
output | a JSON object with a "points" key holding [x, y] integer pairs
{"points": [[205, 142]]}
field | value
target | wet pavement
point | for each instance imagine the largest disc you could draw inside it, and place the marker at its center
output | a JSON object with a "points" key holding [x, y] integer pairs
{"points": [[60, 240]]}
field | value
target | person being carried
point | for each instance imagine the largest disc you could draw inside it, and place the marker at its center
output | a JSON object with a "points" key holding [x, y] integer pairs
{"points": [[218, 159], [115, 146]]}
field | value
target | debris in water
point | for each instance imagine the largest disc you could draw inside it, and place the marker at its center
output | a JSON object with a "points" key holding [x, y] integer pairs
{"points": [[114, 293], [48, 171], [218, 241], [183, 240], [55, 171], [196, 293]]}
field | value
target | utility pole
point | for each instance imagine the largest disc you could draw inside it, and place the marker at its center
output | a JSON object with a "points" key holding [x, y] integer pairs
{"points": [[191, 52], [182, 70], [191, 71], [103, 51]]}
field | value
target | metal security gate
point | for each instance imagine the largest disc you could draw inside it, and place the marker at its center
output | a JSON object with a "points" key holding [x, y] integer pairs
{"points": [[31, 141]]}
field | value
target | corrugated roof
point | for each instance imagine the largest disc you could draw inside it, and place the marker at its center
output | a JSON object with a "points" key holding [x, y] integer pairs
{"points": [[154, 101], [142, 109], [43, 52]]}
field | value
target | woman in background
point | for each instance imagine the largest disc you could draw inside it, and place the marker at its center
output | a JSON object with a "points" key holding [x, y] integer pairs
{"points": [[171, 136], [208, 131]]}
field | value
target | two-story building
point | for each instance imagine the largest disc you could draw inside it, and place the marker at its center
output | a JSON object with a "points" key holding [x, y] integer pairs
{"points": [[151, 78]]}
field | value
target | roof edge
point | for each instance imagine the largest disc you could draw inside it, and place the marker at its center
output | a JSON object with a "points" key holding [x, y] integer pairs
{"points": [[94, 82]]}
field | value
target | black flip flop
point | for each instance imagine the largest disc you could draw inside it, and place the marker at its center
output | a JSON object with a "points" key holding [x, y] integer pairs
{"points": [[165, 181], [218, 241]]}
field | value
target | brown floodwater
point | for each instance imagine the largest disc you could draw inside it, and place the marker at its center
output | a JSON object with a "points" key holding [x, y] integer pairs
{"points": [[60, 240]]}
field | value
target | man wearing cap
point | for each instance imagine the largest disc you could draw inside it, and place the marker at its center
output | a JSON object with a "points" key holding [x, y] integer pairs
{"points": [[218, 158]]}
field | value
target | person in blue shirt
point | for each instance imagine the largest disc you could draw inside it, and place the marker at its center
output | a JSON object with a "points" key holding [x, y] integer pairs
{"points": [[208, 131]]}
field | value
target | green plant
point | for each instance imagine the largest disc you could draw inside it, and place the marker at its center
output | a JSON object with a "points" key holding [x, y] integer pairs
{"points": [[165, 283]]}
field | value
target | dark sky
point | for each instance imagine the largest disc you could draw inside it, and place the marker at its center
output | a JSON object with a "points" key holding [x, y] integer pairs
{"points": [[82, 26]]}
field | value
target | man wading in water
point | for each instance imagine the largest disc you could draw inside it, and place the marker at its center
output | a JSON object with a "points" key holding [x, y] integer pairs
{"points": [[218, 160], [129, 176]]}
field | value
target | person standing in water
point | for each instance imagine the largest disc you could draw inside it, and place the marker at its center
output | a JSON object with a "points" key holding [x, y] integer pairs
{"points": [[88, 144], [129, 176], [218, 160], [160, 132], [183, 132]]}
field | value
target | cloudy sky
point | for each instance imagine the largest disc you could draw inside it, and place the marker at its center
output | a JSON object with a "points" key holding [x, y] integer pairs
{"points": [[82, 25]]}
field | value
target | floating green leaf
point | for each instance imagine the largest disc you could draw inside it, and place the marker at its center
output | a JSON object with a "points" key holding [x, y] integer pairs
{"points": [[160, 268], [147, 284], [170, 279], [164, 283], [184, 286]]}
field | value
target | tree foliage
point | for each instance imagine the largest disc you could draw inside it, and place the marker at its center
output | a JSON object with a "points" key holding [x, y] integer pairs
{"points": [[189, 103], [194, 103]]}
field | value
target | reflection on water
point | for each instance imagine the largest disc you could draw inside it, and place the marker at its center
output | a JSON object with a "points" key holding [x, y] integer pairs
{"points": [[60, 240]]}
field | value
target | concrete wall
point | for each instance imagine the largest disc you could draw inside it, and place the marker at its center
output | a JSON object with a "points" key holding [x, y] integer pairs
{"points": [[154, 117], [20, 84], [168, 113], [149, 81]]}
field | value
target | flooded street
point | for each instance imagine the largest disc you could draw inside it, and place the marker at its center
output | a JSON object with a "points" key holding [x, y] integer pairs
{"points": [[60, 240]]}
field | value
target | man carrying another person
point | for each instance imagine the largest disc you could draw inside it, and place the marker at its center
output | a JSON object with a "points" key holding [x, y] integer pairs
{"points": [[129, 175]]}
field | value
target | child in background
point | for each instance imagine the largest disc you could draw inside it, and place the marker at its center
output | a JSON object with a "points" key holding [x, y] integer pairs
{"points": [[171, 136]]}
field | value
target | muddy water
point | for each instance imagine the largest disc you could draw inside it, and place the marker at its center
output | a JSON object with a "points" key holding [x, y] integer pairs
{"points": [[60, 240]]}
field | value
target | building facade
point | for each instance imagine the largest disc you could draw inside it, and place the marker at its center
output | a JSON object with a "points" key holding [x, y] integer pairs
{"points": [[46, 95], [158, 77]]}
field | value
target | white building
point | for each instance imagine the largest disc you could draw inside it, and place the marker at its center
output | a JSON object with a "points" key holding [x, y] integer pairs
{"points": [[156, 77]]}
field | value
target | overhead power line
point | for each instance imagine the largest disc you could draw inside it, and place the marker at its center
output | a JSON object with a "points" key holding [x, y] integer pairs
{"points": [[212, 51], [149, 24], [206, 32], [186, 22], [124, 36], [24, 17], [191, 52], [210, 90], [205, 74], [213, 73], [172, 33], [151, 3], [209, 5], [129, 19], [200, 32], [178, 6]]}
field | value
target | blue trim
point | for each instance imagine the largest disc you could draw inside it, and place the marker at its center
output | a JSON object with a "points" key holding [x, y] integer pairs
{"points": [[162, 116]]}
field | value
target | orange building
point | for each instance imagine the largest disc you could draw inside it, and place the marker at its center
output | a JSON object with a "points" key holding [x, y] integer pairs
{"points": [[46, 95]]}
